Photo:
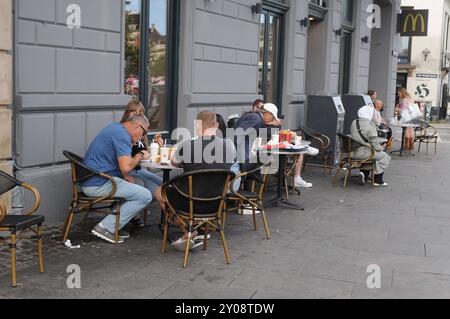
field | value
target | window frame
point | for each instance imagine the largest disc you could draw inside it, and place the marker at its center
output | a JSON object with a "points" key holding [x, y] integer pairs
{"points": [[173, 36]]}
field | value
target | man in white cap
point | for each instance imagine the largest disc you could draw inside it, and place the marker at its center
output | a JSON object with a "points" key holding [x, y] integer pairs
{"points": [[266, 117], [365, 132], [253, 121]]}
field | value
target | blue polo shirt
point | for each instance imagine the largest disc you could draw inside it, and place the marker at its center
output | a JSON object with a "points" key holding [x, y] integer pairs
{"points": [[111, 143]]}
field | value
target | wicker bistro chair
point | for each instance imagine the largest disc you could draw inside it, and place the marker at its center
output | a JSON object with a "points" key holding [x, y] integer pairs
{"points": [[348, 163], [426, 134], [16, 225], [253, 198], [196, 199], [81, 203], [323, 143]]}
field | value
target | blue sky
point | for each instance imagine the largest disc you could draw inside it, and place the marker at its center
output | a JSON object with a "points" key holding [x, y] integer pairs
{"points": [[158, 10]]}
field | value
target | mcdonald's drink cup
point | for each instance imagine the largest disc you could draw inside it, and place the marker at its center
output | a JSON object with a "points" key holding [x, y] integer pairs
{"points": [[154, 150], [165, 155]]}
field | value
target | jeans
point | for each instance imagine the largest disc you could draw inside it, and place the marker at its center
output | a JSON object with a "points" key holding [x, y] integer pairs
{"points": [[135, 199], [151, 181]]}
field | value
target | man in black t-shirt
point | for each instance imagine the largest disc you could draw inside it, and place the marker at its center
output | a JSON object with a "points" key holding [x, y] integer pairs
{"points": [[208, 151]]}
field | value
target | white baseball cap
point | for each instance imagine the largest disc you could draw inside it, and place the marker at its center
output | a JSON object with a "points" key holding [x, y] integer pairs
{"points": [[271, 108]]}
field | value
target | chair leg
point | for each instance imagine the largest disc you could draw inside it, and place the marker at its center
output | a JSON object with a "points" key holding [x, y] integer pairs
{"points": [[68, 224], [117, 222], [255, 224], [225, 246], [427, 147], [265, 223], [188, 243], [166, 229], [330, 166], [435, 147], [337, 174], [224, 215], [373, 179], [325, 167], [347, 175], [13, 258], [145, 216], [286, 188], [41, 258], [205, 240], [420, 144]]}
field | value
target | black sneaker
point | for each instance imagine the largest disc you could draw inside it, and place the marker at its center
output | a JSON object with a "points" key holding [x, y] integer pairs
{"points": [[104, 234], [124, 234]]}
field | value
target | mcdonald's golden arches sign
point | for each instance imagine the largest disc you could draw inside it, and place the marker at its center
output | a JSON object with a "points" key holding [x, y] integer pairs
{"points": [[413, 23]]}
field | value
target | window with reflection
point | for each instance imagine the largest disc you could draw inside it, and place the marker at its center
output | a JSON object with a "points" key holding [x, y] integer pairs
{"points": [[157, 64], [269, 56], [347, 12], [320, 3], [147, 55], [132, 46], [404, 54]]}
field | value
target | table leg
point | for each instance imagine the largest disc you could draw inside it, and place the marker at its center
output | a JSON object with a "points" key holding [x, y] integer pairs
{"points": [[166, 178], [403, 141], [280, 199], [402, 147]]}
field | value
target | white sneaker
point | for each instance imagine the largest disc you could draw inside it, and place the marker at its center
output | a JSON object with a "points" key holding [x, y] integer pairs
{"points": [[299, 182]]}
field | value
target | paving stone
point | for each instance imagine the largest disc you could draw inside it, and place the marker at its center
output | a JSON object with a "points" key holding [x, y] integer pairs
{"points": [[321, 252]]}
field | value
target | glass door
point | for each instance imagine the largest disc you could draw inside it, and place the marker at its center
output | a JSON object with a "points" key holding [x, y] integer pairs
{"points": [[270, 75]]}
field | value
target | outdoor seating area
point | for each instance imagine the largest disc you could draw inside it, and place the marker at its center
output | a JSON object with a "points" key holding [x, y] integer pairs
{"points": [[308, 247], [197, 195]]}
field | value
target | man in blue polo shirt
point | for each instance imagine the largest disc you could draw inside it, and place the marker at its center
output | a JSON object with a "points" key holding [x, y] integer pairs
{"points": [[110, 153]]}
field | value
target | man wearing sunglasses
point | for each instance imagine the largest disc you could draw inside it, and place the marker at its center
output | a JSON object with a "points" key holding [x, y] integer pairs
{"points": [[109, 153]]}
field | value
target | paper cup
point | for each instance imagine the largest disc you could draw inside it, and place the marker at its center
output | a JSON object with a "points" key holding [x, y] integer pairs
{"points": [[165, 155]]}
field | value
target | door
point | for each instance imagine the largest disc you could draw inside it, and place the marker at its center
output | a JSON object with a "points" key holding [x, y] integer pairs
{"points": [[270, 57]]}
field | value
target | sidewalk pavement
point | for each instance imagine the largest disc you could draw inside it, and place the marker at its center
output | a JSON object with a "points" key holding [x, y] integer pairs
{"points": [[323, 252]]}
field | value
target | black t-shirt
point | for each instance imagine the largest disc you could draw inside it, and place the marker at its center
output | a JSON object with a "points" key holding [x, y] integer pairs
{"points": [[207, 152]]}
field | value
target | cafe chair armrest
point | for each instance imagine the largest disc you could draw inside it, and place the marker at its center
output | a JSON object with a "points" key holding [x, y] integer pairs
{"points": [[3, 213], [37, 198]]}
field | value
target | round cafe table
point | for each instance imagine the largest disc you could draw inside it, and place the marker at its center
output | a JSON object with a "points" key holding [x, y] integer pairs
{"points": [[404, 126], [282, 155]]}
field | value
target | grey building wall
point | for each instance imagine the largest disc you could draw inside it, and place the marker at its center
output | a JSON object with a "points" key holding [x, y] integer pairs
{"points": [[218, 58], [294, 95], [68, 86]]}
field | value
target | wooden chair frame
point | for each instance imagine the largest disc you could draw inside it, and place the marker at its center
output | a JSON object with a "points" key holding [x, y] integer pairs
{"points": [[325, 152], [348, 163], [17, 234], [192, 220], [81, 203], [426, 134], [254, 198]]}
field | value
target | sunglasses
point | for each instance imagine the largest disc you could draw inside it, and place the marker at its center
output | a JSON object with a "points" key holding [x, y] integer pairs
{"points": [[144, 130]]}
